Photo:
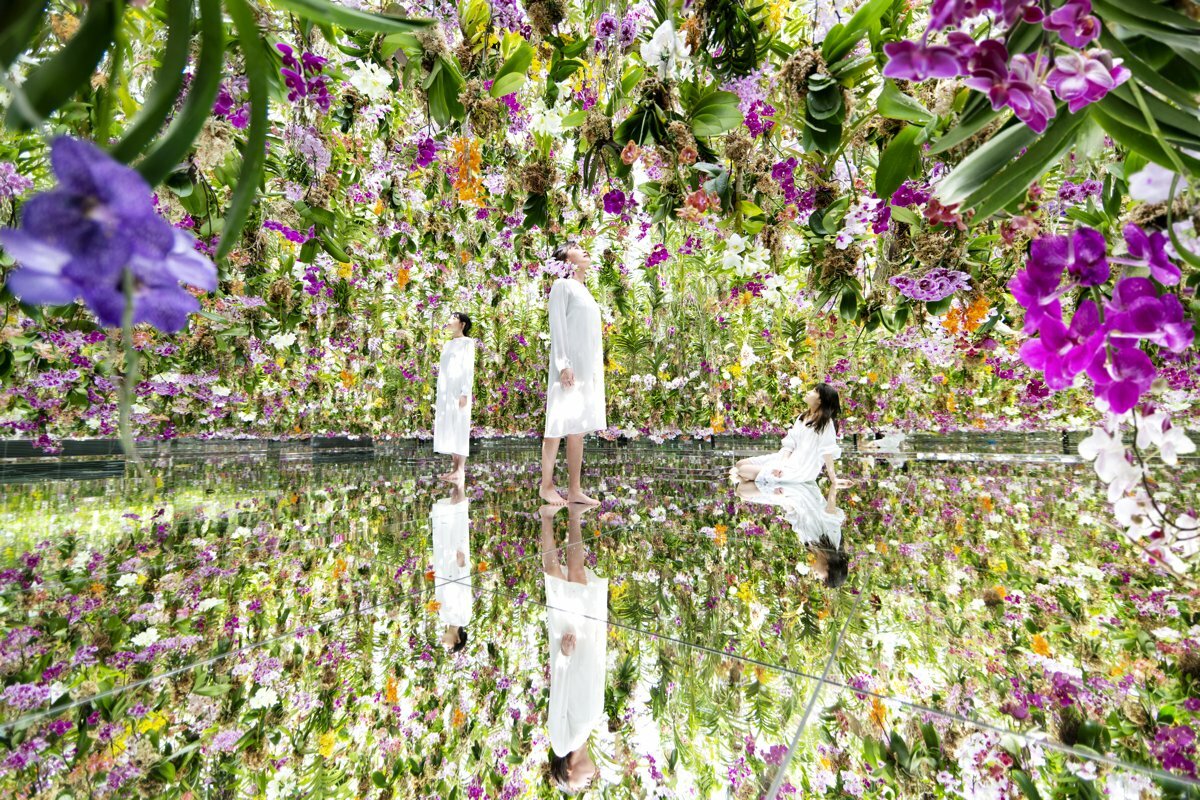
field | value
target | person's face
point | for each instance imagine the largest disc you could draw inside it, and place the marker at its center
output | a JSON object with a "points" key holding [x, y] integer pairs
{"points": [[813, 399], [579, 259], [820, 567], [581, 770], [450, 637], [455, 326]]}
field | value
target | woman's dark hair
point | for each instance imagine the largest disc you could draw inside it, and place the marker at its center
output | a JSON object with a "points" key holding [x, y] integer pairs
{"points": [[828, 410], [558, 773], [462, 640], [465, 320], [838, 569], [560, 252]]}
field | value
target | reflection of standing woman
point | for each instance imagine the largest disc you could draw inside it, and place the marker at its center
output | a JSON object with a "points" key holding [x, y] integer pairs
{"points": [[455, 383], [449, 520], [575, 395], [577, 621]]}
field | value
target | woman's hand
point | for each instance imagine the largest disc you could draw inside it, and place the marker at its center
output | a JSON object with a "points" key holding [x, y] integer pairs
{"points": [[567, 378], [568, 644], [462, 401], [778, 473]]}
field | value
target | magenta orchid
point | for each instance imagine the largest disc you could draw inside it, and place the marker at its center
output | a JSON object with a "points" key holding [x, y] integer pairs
{"points": [[1061, 352], [1150, 250], [1073, 22], [1080, 79]]}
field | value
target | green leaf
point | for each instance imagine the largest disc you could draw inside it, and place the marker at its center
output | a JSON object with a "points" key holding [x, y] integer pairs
{"points": [[836, 46], [400, 41], [939, 307], [213, 690], [511, 75], [1145, 73], [18, 23], [1022, 779], [574, 119], [1142, 143], [968, 125], [632, 78], [173, 147], [379, 779], [168, 79], [974, 170], [848, 307], [536, 211], [1129, 15], [57, 79], [251, 40], [903, 214], [351, 19], [715, 113], [894, 104], [899, 161], [443, 86]]}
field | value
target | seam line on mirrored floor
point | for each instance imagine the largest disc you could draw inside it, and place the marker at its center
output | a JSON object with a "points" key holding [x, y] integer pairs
{"points": [[813, 698]]}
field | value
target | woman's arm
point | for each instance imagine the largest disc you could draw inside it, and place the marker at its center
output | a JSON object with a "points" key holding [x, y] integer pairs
{"points": [[831, 505], [468, 387], [558, 332]]}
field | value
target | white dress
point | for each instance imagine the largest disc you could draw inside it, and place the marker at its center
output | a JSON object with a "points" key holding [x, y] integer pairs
{"points": [[577, 680], [795, 490], [451, 581], [575, 342], [456, 378]]}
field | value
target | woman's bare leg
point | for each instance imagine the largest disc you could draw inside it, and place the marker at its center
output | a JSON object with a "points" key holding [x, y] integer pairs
{"points": [[574, 468], [546, 489], [748, 471]]}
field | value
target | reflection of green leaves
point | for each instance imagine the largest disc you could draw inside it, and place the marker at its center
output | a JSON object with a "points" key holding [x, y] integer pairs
{"points": [[55, 80], [442, 87], [511, 75]]}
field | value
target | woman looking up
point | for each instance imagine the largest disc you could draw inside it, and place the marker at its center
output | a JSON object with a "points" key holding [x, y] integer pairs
{"points": [[575, 395]]}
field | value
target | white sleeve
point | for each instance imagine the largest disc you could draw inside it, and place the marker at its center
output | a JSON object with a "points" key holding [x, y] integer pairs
{"points": [[468, 386], [791, 438], [829, 445], [559, 294]]}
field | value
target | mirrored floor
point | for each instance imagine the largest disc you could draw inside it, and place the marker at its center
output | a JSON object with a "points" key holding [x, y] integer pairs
{"points": [[283, 623]]}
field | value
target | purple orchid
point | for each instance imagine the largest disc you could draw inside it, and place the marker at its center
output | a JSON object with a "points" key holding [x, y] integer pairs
{"points": [[1150, 249], [1121, 377], [1087, 261], [1073, 22], [1138, 312], [1036, 287], [1061, 352], [78, 239], [1013, 83], [913, 61], [1080, 79], [614, 201]]}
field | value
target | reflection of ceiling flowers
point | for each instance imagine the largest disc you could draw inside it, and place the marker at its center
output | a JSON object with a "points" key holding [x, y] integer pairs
{"points": [[265, 622]]}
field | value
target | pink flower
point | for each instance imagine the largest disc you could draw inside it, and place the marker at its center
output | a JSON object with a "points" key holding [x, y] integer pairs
{"points": [[1083, 78], [913, 61], [1012, 83], [1073, 22]]}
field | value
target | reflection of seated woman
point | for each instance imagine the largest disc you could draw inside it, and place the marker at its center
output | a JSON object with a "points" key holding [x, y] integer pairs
{"points": [[817, 528], [450, 521], [577, 619]]}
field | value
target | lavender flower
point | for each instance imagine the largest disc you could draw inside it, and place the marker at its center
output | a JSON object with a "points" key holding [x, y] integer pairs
{"points": [[78, 239], [937, 284], [12, 183]]}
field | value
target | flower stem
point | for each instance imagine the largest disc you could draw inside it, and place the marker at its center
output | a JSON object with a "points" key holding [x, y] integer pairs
{"points": [[129, 384]]}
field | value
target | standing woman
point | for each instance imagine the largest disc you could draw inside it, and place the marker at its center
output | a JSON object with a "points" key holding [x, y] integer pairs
{"points": [[575, 395], [455, 384]]}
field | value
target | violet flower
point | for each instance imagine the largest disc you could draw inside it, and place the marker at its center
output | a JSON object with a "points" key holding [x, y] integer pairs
{"points": [[1138, 312], [1150, 249], [1013, 83], [1121, 377], [1073, 22], [1061, 353], [614, 201], [912, 61], [78, 239], [1080, 79]]}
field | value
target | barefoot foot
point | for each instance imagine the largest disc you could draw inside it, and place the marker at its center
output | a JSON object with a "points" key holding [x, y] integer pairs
{"points": [[581, 498], [551, 496]]}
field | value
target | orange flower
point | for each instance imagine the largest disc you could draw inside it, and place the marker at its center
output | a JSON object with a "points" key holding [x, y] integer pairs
{"points": [[719, 535], [688, 156], [467, 159], [339, 568], [986, 502], [389, 691], [630, 153], [429, 576], [1040, 646], [96, 588], [878, 712], [482, 566], [458, 717], [432, 606], [1000, 591], [402, 277], [718, 423]]}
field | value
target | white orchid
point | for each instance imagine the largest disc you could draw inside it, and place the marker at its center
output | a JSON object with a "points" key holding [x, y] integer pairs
{"points": [[667, 54], [1171, 441], [1111, 462], [372, 81]]}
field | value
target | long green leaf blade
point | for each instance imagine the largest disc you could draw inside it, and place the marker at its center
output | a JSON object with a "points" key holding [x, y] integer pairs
{"points": [[351, 19], [168, 78]]}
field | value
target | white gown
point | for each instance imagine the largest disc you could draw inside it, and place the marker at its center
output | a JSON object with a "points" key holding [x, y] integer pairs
{"points": [[575, 342], [796, 489], [456, 378], [577, 680], [452, 586]]}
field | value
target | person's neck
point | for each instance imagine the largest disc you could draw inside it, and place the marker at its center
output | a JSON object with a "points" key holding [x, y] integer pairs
{"points": [[579, 275], [458, 335]]}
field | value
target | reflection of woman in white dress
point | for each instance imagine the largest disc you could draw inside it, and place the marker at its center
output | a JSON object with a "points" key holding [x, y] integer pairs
{"points": [[455, 384], [575, 391], [788, 479], [577, 621], [449, 520]]}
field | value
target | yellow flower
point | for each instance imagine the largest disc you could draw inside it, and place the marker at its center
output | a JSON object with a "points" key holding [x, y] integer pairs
{"points": [[325, 747], [402, 277], [717, 423], [719, 535], [878, 712], [279, 362], [345, 270], [458, 717], [735, 370], [379, 207], [1040, 646], [432, 606], [339, 568], [152, 722], [745, 593]]}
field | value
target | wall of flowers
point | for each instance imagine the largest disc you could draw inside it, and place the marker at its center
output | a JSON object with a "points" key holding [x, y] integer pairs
{"points": [[227, 218]]}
